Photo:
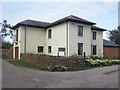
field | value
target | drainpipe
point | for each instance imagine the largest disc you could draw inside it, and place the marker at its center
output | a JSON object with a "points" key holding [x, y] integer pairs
{"points": [[25, 41], [67, 39]]}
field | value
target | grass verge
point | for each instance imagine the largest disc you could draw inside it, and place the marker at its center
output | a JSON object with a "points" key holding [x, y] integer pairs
{"points": [[23, 63]]}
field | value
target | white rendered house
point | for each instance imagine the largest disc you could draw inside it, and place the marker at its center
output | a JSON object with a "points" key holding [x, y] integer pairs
{"points": [[65, 37]]}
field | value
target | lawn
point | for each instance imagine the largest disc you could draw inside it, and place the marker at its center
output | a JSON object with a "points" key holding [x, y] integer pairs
{"points": [[23, 63]]}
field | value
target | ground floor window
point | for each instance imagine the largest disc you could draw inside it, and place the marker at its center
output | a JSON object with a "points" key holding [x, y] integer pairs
{"points": [[49, 49], [94, 50], [40, 49], [80, 48]]}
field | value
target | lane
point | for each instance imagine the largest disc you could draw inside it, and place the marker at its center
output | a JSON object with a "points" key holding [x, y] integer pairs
{"points": [[18, 77]]}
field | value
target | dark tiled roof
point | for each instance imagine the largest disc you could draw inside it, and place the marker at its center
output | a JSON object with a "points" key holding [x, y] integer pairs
{"points": [[32, 23], [45, 24], [73, 19], [98, 28], [109, 43]]}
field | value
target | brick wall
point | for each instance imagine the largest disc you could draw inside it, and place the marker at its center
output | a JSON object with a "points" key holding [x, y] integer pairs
{"points": [[45, 60], [8, 52], [112, 52]]}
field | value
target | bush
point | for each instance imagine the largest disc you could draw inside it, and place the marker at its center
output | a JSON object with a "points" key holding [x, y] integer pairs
{"points": [[105, 62], [56, 68]]}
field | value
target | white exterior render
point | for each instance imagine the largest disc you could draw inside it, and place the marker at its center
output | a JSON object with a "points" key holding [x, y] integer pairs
{"points": [[64, 39]]}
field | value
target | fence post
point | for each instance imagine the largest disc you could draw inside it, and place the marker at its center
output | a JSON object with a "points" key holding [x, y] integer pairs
{"points": [[85, 57]]}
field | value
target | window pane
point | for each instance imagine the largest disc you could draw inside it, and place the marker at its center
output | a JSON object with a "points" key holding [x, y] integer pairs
{"points": [[80, 30], [49, 33], [94, 35], [80, 48], [94, 49], [49, 49], [17, 35], [40, 49]]}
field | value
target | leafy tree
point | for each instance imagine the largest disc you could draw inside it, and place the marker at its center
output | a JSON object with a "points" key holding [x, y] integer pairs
{"points": [[5, 30], [114, 36]]}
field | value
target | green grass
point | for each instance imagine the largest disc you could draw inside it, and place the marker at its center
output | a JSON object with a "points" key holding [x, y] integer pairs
{"points": [[23, 63]]}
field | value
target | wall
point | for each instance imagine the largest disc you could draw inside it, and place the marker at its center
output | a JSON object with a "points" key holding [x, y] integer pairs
{"points": [[58, 39], [98, 42], [111, 52], [74, 39], [16, 43], [34, 37], [8, 52]]}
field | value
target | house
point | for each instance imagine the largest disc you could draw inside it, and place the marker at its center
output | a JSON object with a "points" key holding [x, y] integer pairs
{"points": [[110, 49], [65, 37]]}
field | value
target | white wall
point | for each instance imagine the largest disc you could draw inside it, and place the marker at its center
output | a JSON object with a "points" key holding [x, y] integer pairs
{"points": [[58, 38], [16, 43], [74, 39], [98, 42], [34, 37], [39, 37]]}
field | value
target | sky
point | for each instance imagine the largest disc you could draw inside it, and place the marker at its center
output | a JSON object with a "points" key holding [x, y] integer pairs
{"points": [[102, 12]]}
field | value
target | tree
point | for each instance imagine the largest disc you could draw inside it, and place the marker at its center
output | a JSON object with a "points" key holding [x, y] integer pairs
{"points": [[114, 35], [6, 30]]}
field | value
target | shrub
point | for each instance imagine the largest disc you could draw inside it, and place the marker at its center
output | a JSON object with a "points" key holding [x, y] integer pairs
{"points": [[56, 68], [105, 62]]}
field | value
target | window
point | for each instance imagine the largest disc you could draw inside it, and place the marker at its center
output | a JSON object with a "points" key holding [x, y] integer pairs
{"points": [[94, 49], [40, 49], [80, 48], [94, 35], [17, 35], [49, 33], [49, 49], [80, 30]]}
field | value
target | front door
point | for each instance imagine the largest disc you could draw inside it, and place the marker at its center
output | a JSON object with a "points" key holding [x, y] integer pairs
{"points": [[16, 52]]}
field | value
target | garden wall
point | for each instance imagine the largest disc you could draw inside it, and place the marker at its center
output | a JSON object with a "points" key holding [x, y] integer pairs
{"points": [[8, 52], [45, 60]]}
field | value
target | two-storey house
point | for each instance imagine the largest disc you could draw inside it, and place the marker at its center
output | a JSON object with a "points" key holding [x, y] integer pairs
{"points": [[65, 37]]}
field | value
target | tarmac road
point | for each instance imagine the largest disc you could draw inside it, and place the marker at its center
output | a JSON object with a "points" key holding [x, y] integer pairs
{"points": [[19, 77]]}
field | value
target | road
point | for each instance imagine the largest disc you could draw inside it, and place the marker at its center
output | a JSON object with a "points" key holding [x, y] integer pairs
{"points": [[19, 77]]}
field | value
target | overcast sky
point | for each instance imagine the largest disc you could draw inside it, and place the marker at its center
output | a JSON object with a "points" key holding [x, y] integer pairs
{"points": [[105, 14]]}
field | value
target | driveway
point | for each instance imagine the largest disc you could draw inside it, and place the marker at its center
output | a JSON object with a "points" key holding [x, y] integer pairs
{"points": [[18, 77]]}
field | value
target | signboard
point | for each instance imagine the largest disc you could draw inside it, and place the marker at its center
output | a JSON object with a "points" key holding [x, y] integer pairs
{"points": [[61, 49]]}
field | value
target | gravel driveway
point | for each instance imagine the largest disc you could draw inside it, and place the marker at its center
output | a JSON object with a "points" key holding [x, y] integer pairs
{"points": [[18, 77]]}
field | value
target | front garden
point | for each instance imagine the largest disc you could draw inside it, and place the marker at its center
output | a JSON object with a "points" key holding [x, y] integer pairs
{"points": [[89, 64], [58, 63]]}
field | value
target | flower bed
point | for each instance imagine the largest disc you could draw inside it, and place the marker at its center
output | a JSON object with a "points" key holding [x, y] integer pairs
{"points": [[105, 62]]}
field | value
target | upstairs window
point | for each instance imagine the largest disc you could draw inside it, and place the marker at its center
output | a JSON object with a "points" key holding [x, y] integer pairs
{"points": [[40, 49], [17, 35], [80, 30], [49, 33], [94, 35], [94, 50]]}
